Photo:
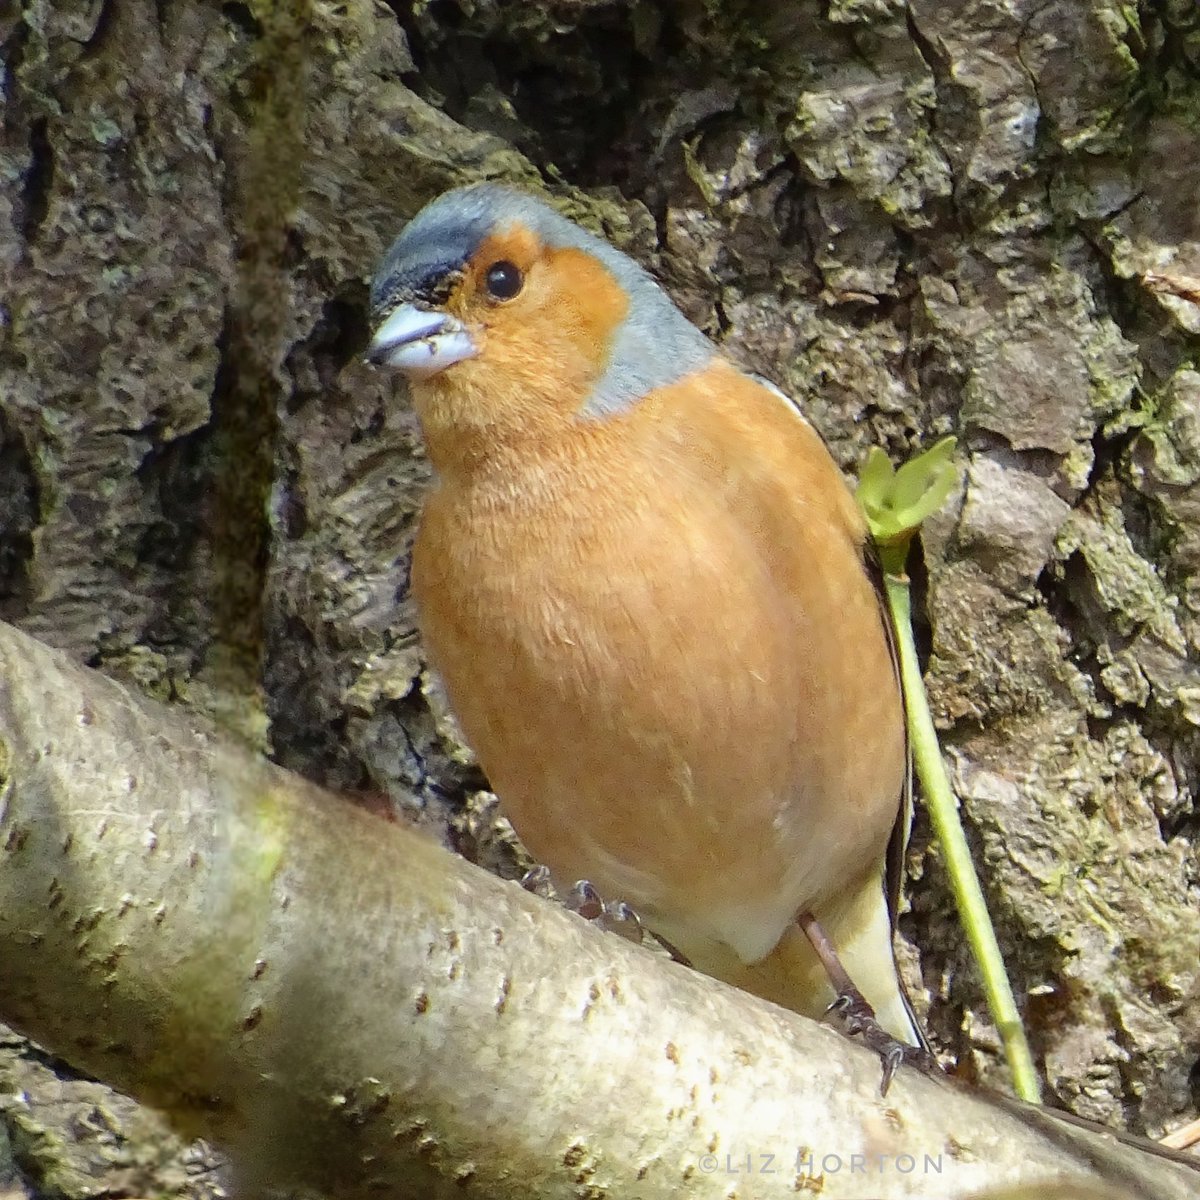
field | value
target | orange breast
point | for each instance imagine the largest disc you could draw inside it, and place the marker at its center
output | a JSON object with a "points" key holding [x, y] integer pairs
{"points": [[660, 641]]}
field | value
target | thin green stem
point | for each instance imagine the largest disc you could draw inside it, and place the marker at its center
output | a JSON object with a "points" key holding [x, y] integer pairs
{"points": [[943, 812]]}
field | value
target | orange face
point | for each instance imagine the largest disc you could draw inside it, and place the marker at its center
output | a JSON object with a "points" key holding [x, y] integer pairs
{"points": [[542, 321]]}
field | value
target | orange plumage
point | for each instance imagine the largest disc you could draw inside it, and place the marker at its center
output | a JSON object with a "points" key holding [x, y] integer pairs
{"points": [[641, 577]]}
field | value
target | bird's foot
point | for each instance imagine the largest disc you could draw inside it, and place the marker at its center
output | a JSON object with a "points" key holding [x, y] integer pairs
{"points": [[857, 1019], [611, 916], [585, 901], [537, 880]]}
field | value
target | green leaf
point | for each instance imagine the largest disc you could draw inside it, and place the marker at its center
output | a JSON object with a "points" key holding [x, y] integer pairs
{"points": [[875, 481], [896, 502]]}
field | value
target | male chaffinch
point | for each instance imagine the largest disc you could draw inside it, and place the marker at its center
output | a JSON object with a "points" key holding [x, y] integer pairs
{"points": [[644, 582]]}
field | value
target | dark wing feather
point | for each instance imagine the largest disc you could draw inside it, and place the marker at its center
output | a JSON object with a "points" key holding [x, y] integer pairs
{"points": [[898, 845]]}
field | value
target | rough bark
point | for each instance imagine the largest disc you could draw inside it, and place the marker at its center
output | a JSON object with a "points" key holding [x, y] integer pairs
{"points": [[920, 218], [347, 1008]]}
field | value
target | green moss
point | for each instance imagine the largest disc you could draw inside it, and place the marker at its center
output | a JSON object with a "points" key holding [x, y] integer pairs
{"points": [[697, 174], [1126, 586], [1173, 433]]}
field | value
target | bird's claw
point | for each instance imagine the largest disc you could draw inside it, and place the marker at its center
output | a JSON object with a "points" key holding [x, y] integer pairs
{"points": [[537, 881], [586, 902], [608, 915], [858, 1020], [613, 917]]}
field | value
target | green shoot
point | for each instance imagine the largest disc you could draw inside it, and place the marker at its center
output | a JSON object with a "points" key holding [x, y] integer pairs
{"points": [[895, 503]]}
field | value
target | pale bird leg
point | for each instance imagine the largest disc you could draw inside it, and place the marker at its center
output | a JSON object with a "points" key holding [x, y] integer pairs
{"points": [[858, 1017]]}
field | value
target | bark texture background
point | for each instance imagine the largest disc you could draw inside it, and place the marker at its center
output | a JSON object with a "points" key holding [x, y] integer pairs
{"points": [[977, 217]]}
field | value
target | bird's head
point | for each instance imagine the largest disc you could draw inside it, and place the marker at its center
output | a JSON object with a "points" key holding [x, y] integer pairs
{"points": [[511, 321]]}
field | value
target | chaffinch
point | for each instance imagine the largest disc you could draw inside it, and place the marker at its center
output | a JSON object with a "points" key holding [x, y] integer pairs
{"points": [[644, 583]]}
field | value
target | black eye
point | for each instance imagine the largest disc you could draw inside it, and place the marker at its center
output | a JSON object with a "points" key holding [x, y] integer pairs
{"points": [[503, 280]]}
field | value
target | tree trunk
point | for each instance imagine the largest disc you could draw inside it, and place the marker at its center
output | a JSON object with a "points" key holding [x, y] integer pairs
{"points": [[917, 219]]}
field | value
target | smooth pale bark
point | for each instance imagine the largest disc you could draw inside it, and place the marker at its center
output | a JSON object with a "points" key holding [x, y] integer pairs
{"points": [[343, 1004]]}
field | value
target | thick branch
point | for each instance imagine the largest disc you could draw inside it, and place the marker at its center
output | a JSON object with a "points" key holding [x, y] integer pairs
{"points": [[343, 1004]]}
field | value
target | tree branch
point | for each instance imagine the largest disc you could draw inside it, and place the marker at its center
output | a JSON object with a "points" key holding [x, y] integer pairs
{"points": [[342, 1004]]}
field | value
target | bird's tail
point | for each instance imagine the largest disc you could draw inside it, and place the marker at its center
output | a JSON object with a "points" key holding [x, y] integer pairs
{"points": [[859, 927]]}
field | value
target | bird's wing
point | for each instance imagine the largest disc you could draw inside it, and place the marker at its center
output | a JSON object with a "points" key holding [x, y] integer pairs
{"points": [[893, 882], [898, 845]]}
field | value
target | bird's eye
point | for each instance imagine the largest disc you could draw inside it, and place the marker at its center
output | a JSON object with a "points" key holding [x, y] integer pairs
{"points": [[503, 280]]}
